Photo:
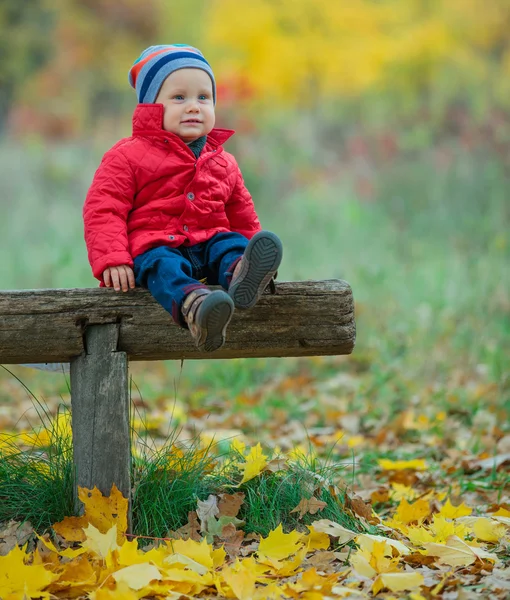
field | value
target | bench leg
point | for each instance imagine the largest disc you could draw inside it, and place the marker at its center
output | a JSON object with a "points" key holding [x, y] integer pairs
{"points": [[100, 415]]}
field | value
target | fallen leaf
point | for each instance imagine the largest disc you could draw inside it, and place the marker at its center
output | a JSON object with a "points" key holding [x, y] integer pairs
{"points": [[408, 513], [308, 505], [241, 581], [485, 530], [360, 507], [14, 534], [99, 543], [279, 545], [206, 511], [255, 463], [230, 504], [397, 582], [189, 531], [417, 464], [18, 580], [334, 530], [454, 512], [137, 576], [232, 539], [100, 511], [455, 552]]}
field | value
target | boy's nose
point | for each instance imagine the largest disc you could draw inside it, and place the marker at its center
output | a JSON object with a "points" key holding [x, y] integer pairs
{"points": [[193, 106]]}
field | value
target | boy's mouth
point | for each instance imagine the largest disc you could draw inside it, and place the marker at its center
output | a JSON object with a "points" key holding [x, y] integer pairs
{"points": [[192, 121]]}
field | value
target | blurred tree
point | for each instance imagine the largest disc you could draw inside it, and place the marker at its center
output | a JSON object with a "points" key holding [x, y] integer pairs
{"points": [[24, 47], [65, 62]]}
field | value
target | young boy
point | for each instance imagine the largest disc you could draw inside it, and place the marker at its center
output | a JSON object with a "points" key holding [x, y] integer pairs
{"points": [[168, 206]]}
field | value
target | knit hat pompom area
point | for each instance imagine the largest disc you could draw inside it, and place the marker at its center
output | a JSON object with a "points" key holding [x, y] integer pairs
{"points": [[155, 64]]}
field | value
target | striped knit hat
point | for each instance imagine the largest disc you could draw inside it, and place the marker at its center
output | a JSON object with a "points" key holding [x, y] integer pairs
{"points": [[155, 64]]}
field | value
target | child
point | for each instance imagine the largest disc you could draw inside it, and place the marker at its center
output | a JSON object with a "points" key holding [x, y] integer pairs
{"points": [[168, 206]]}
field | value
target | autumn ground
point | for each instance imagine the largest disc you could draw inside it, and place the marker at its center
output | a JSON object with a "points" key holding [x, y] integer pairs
{"points": [[408, 438]]}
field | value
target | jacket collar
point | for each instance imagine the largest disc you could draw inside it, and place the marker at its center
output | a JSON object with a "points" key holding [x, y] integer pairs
{"points": [[148, 121]]}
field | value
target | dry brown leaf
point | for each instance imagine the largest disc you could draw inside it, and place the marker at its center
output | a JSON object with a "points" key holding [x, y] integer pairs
{"points": [[322, 560], [230, 504], [277, 464], [189, 531], [359, 506], [308, 505], [14, 534], [232, 539]]}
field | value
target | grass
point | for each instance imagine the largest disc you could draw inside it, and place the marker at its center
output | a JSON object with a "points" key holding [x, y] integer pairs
{"points": [[37, 479]]}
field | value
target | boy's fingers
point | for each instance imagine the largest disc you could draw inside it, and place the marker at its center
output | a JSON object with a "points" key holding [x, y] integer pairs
{"points": [[115, 279], [123, 279], [106, 277], [131, 278]]}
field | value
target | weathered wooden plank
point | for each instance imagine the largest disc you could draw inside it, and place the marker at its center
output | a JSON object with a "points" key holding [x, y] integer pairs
{"points": [[302, 319], [100, 413]]}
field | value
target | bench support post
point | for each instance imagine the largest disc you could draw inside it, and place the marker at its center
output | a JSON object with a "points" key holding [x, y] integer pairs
{"points": [[100, 414]]}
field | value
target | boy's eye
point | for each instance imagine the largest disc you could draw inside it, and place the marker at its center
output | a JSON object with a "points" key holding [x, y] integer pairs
{"points": [[178, 97], [202, 97]]}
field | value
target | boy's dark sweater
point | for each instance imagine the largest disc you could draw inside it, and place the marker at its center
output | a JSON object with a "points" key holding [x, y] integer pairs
{"points": [[198, 145]]}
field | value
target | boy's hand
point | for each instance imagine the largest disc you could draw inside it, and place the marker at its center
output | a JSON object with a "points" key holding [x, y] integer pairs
{"points": [[119, 277]]}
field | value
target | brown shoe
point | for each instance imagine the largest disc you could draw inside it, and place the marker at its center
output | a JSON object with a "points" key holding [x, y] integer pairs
{"points": [[256, 269], [207, 314]]}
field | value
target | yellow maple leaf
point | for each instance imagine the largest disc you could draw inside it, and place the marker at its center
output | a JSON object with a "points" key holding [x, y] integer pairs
{"points": [[501, 512], [137, 576], [77, 575], [410, 513], [418, 464], [100, 511], [438, 531], [238, 445], [286, 568], [19, 581], [279, 545], [241, 580], [255, 463], [419, 535], [315, 583], [397, 582], [102, 544], [121, 592], [401, 491], [486, 530], [367, 540], [67, 553], [201, 552], [454, 512], [129, 554], [316, 540], [443, 529], [379, 559], [219, 555]]}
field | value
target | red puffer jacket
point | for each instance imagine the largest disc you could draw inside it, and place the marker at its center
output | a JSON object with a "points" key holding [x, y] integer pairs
{"points": [[150, 190]]}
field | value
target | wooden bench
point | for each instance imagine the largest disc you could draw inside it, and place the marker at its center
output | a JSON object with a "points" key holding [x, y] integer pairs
{"points": [[98, 331]]}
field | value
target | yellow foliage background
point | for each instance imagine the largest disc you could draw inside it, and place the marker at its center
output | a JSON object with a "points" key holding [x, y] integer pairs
{"points": [[68, 60]]}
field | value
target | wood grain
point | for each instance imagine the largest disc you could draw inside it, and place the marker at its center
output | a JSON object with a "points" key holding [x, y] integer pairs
{"points": [[100, 414], [306, 318]]}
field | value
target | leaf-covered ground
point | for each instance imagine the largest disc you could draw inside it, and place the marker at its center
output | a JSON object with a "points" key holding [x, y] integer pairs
{"points": [[430, 477]]}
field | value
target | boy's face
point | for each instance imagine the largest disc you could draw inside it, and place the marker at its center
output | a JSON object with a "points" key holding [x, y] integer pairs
{"points": [[187, 96]]}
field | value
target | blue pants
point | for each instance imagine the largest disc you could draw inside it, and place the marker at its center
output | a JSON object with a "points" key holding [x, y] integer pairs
{"points": [[171, 274]]}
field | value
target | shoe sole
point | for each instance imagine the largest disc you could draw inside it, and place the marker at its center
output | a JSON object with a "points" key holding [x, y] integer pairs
{"points": [[259, 264], [213, 317]]}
